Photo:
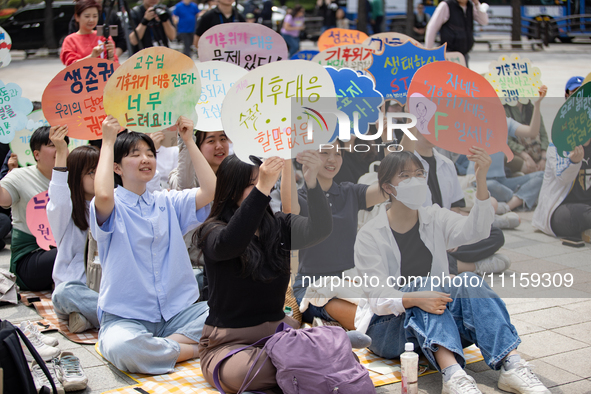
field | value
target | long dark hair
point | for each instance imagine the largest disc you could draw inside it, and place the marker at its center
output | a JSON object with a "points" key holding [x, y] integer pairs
{"points": [[262, 261], [394, 164], [80, 162], [125, 142]]}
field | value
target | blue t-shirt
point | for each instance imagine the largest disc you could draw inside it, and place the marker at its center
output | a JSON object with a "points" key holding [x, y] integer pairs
{"points": [[187, 17], [497, 167]]}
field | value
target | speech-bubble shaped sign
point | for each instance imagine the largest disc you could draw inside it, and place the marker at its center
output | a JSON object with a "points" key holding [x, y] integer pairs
{"points": [[13, 111], [152, 89], [37, 221], [356, 93], [22, 139], [469, 113], [216, 80], [75, 97], [266, 112], [572, 124], [378, 41], [514, 79], [355, 57], [394, 68], [5, 45], [307, 54], [336, 37], [455, 57], [247, 45]]}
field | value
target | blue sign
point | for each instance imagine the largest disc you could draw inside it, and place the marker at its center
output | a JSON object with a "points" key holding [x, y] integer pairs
{"points": [[13, 111], [393, 69], [356, 93], [304, 55]]}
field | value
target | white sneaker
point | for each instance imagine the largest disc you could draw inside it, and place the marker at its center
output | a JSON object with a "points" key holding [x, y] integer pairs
{"points": [[494, 264], [502, 208], [45, 351], [70, 373], [41, 380], [31, 328], [78, 323], [460, 383], [507, 220], [521, 380], [586, 236]]}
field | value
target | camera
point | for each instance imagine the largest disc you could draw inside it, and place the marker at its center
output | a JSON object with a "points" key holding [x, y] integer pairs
{"points": [[162, 12]]}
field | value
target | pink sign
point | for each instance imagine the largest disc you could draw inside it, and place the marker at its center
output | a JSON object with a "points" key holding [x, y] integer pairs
{"points": [[248, 45], [37, 220]]}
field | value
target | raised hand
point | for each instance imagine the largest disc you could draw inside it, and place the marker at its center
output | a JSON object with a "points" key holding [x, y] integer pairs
{"points": [[311, 162], [269, 173]]}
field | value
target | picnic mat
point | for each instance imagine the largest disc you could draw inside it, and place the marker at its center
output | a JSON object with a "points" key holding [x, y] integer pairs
{"points": [[187, 378], [41, 300]]}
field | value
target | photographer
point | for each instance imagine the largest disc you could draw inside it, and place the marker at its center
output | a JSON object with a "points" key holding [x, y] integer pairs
{"points": [[153, 25]]}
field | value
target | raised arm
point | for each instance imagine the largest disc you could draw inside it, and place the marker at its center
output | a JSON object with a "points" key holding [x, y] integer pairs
{"points": [[203, 170], [104, 181], [533, 129], [57, 135], [230, 241], [289, 189]]}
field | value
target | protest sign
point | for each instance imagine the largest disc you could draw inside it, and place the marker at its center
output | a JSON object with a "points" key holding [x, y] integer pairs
{"points": [[355, 57], [587, 78], [455, 57], [13, 111], [468, 112], [394, 68], [5, 45], [75, 97], [247, 45], [336, 37], [514, 79], [356, 93], [21, 144], [266, 112], [37, 221], [307, 54], [572, 124], [152, 89], [216, 80], [378, 41]]}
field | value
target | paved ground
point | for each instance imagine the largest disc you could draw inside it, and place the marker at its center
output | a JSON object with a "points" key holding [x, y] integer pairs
{"points": [[555, 330]]}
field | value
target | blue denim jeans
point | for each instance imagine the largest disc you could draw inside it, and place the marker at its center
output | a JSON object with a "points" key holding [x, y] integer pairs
{"points": [[74, 296], [526, 187], [140, 346], [476, 315], [293, 44]]}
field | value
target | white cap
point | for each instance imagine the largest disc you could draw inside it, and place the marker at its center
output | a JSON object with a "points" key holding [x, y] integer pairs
{"points": [[409, 347]]}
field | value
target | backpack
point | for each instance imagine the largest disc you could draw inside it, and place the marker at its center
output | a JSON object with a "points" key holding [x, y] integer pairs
{"points": [[316, 360], [17, 375]]}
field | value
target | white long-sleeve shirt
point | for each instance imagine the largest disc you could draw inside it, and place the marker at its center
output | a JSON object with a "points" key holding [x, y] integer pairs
{"points": [[377, 253], [441, 16], [71, 241]]}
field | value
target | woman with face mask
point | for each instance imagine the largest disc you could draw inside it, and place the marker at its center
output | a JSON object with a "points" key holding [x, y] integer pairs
{"points": [[404, 249]]}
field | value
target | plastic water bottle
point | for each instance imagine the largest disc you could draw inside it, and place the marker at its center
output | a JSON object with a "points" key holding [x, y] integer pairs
{"points": [[409, 361]]}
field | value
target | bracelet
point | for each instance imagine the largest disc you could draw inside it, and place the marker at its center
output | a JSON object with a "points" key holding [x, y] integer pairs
{"points": [[145, 22], [60, 169]]}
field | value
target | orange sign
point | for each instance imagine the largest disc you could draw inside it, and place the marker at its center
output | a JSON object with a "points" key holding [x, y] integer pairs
{"points": [[75, 97], [467, 110], [337, 37]]}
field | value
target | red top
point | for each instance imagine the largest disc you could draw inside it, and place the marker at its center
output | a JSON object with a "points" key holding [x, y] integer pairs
{"points": [[78, 46]]}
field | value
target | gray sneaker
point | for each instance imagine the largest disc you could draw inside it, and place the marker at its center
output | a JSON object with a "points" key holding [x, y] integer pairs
{"points": [[78, 323], [41, 380], [70, 373], [495, 264]]}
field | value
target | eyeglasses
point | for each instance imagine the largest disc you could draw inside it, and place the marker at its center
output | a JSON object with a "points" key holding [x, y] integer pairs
{"points": [[408, 174]]}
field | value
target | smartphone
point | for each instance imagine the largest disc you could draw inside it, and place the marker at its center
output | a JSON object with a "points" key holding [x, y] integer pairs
{"points": [[114, 30], [573, 242]]}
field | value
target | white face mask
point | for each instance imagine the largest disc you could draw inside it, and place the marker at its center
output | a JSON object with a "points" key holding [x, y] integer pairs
{"points": [[412, 192]]}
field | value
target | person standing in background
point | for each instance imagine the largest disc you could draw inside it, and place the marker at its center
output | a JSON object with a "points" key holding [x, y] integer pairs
{"points": [[223, 13], [293, 24], [377, 16], [454, 20], [153, 25], [186, 14], [420, 22]]}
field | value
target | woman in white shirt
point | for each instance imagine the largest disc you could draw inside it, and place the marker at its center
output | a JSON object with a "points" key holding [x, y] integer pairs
{"points": [[70, 191], [403, 245]]}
